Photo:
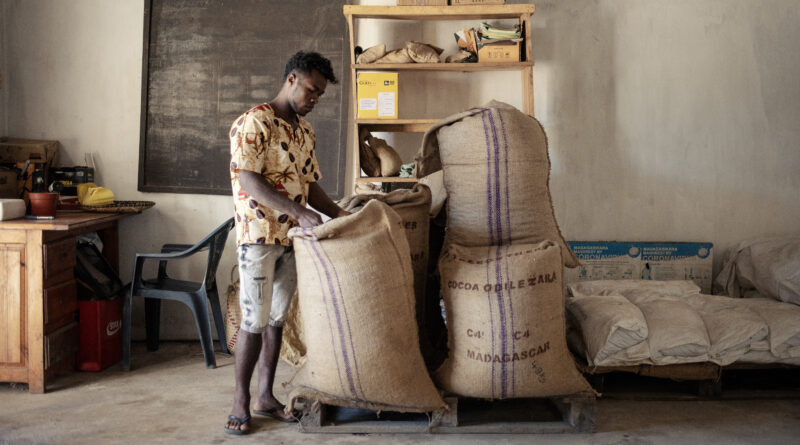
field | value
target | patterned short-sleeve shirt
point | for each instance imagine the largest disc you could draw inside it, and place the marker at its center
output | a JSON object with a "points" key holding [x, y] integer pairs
{"points": [[266, 144]]}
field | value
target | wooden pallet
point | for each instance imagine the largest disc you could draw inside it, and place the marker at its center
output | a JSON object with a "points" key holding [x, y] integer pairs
{"points": [[568, 414]]}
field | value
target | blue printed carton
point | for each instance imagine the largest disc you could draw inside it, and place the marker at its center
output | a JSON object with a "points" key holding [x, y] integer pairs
{"points": [[618, 260]]}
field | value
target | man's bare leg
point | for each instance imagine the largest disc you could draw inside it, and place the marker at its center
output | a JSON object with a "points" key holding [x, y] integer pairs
{"points": [[248, 349], [267, 363]]}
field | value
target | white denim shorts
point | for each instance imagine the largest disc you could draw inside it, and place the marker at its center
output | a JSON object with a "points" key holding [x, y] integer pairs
{"points": [[267, 281]]}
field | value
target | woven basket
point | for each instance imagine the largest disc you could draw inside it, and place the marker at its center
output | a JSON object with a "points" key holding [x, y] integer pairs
{"points": [[233, 313], [120, 207]]}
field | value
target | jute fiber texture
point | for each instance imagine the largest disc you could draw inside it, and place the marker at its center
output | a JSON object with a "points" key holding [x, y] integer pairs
{"points": [[356, 301], [293, 346], [505, 323], [496, 173], [413, 206]]}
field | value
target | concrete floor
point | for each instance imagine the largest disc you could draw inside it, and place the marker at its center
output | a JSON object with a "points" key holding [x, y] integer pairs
{"points": [[170, 397]]}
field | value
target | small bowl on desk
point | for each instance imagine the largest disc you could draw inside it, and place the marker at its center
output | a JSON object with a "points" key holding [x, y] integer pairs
{"points": [[43, 203]]}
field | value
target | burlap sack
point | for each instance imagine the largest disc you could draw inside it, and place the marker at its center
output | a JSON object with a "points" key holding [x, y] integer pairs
{"points": [[423, 52], [372, 54], [396, 56], [412, 206], [233, 312], [390, 161], [356, 302], [505, 320], [293, 347], [496, 172], [367, 158]]}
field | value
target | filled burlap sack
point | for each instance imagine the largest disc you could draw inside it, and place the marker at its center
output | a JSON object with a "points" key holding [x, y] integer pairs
{"points": [[412, 206], [435, 182], [423, 52], [293, 347], [356, 301], [496, 172], [505, 321], [372, 54], [396, 56]]}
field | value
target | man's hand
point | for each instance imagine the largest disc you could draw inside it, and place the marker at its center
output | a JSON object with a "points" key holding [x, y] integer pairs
{"points": [[307, 217]]}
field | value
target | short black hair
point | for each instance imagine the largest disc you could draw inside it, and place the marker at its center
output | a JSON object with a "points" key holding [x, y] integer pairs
{"points": [[305, 62]]}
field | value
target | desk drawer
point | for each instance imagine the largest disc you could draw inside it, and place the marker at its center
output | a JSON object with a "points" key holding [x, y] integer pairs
{"points": [[61, 346], [58, 256], [60, 301]]}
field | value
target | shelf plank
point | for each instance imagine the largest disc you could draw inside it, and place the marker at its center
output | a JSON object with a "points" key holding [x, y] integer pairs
{"points": [[467, 12], [464, 67], [397, 125], [387, 179]]}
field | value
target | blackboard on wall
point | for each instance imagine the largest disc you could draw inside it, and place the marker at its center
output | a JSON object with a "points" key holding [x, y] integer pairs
{"points": [[207, 62]]}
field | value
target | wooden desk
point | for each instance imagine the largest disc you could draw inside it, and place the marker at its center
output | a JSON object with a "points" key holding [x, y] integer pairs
{"points": [[38, 295]]}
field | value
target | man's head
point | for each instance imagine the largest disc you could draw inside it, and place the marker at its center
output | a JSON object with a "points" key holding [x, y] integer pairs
{"points": [[305, 78]]}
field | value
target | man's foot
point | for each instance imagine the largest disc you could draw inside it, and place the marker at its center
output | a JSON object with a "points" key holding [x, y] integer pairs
{"points": [[238, 425], [276, 412]]}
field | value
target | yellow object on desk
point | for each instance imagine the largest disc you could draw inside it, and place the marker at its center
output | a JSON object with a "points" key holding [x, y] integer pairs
{"points": [[89, 194]]}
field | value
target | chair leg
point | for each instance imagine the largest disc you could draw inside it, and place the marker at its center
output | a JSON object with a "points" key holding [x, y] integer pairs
{"points": [[126, 332], [152, 322], [199, 307], [216, 311]]}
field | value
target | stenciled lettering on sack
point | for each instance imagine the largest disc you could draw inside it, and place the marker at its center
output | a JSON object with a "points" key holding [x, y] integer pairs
{"points": [[410, 225], [417, 256], [505, 358], [539, 372], [505, 286]]}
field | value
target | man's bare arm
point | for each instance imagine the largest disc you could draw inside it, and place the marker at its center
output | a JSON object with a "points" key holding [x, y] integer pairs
{"points": [[318, 199], [262, 191]]}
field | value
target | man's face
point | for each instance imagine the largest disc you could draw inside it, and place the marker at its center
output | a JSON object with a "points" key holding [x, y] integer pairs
{"points": [[305, 90]]}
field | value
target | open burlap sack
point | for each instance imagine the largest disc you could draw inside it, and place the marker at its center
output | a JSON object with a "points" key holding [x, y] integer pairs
{"points": [[505, 321], [412, 206], [356, 301], [293, 347], [496, 172]]}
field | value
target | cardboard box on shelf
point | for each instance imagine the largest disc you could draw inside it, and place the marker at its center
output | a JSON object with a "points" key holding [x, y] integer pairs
{"points": [[377, 95], [642, 261], [499, 52]]}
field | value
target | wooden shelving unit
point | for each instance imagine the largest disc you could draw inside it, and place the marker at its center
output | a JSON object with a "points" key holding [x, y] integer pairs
{"points": [[521, 12]]}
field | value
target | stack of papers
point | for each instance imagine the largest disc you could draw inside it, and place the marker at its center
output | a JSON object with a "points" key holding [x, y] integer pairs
{"points": [[494, 34]]}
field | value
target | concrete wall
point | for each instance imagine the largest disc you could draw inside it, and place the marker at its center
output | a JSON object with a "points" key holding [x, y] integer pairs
{"points": [[667, 120]]}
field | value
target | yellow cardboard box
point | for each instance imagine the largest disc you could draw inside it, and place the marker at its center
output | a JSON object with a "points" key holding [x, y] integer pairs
{"points": [[377, 95], [499, 52]]}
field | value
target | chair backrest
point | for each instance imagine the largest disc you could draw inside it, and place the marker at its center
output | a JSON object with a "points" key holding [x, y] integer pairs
{"points": [[216, 244]]}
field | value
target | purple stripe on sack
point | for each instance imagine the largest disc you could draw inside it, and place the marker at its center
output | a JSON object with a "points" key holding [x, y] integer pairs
{"points": [[508, 241], [347, 320], [498, 272], [339, 326], [489, 204], [328, 313], [491, 231]]}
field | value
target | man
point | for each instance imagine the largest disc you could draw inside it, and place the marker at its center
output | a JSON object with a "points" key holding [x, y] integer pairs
{"points": [[274, 173]]}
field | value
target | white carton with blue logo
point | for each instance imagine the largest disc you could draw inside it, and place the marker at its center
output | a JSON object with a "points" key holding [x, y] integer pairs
{"points": [[642, 261]]}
